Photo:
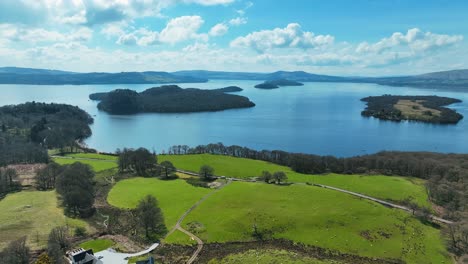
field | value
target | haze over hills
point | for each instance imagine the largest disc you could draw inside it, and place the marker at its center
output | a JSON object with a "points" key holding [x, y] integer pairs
{"points": [[454, 79], [14, 75]]}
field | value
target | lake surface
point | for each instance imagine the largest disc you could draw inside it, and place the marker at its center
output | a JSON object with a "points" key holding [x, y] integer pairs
{"points": [[318, 118]]}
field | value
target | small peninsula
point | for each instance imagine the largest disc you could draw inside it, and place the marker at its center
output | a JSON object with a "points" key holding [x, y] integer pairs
{"points": [[273, 84], [169, 99], [428, 109]]}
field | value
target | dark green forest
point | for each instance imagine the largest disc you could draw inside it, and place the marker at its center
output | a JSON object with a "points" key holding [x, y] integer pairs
{"points": [[28, 130], [168, 99]]}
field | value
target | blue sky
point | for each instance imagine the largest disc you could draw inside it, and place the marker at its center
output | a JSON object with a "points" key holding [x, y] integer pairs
{"points": [[359, 37]]}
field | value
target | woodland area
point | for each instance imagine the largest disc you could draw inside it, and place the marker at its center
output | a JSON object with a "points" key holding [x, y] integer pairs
{"points": [[168, 99], [28, 130]]}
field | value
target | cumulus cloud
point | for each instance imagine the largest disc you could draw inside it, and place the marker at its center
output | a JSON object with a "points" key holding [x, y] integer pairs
{"points": [[177, 30], [292, 36], [87, 12], [219, 30], [414, 39], [14, 33], [238, 21]]}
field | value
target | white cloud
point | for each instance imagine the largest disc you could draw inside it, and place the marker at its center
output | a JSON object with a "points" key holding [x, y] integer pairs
{"points": [[14, 33], [88, 12], [177, 30], [112, 30], [291, 36], [219, 30], [238, 21], [414, 39]]}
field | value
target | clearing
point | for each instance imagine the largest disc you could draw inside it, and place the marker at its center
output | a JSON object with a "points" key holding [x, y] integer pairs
{"points": [[414, 109], [32, 213], [174, 196]]}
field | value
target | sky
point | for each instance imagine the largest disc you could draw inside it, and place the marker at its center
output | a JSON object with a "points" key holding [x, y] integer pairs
{"points": [[336, 37]]}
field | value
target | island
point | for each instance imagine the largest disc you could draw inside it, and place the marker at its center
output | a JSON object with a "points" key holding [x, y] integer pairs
{"points": [[169, 99], [428, 109], [273, 84], [229, 89]]}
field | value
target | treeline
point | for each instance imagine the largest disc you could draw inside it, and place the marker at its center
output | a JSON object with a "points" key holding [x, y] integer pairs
{"points": [[168, 99], [383, 107], [8, 181], [28, 130], [446, 173]]}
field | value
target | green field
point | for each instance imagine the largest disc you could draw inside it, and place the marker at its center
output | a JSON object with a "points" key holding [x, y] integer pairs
{"points": [[97, 244], [379, 186], [97, 165], [32, 214], [174, 197], [178, 237], [269, 257], [316, 216], [92, 156]]}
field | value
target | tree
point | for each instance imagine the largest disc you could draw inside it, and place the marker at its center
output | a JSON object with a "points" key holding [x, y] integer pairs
{"points": [[266, 176], [46, 177], [17, 252], [206, 172], [150, 216], [168, 169], [58, 243], [279, 176], [76, 186], [140, 161]]}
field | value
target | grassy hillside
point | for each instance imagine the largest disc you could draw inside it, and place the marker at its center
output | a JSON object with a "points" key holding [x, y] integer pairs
{"points": [[317, 217], [32, 214], [384, 187], [96, 164], [174, 197], [269, 257]]}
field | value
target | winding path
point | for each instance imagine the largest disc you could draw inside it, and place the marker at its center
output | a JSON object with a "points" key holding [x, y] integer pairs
{"points": [[188, 233]]}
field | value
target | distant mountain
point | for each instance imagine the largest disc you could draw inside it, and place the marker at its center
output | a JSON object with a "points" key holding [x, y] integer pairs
{"points": [[294, 76], [13, 75], [17, 70], [455, 79]]}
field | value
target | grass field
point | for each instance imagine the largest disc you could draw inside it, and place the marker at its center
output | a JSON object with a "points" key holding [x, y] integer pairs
{"points": [[32, 214], [92, 156], [178, 237], [174, 196], [97, 244], [97, 165], [316, 216], [269, 257], [379, 186]]}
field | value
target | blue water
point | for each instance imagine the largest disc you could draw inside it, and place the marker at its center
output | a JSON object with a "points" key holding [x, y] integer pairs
{"points": [[319, 118]]}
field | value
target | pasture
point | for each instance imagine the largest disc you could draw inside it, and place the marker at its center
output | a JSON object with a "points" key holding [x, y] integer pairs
{"points": [[96, 164], [32, 214], [315, 216], [384, 187], [269, 256], [174, 196]]}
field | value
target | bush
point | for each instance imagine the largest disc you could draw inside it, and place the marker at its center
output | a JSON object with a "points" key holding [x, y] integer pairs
{"points": [[80, 231]]}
